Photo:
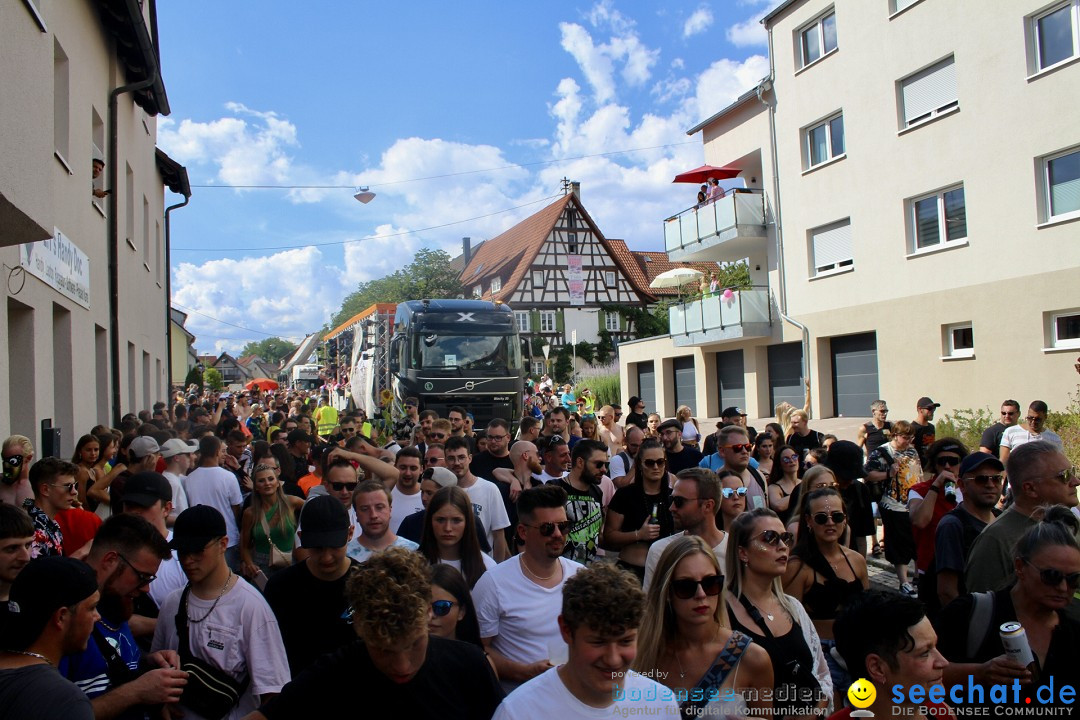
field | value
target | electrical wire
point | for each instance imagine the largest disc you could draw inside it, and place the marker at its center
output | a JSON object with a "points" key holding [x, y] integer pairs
{"points": [[240, 327]]}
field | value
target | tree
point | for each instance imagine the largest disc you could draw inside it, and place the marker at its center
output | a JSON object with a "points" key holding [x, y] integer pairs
{"points": [[604, 348], [213, 379], [429, 275], [586, 351], [646, 322], [564, 364], [272, 349], [194, 377]]}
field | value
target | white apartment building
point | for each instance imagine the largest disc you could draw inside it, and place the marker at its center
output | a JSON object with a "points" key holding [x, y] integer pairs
{"points": [[913, 226], [85, 278]]}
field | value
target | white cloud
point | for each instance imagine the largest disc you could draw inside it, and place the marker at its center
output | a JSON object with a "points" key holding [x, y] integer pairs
{"points": [[698, 22], [748, 33], [598, 61], [725, 80]]}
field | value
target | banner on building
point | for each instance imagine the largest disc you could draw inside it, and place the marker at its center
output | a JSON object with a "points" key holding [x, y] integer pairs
{"points": [[575, 279], [59, 263]]}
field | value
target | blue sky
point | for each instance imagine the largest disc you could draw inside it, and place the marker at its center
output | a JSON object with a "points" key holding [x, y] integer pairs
{"points": [[493, 103]]}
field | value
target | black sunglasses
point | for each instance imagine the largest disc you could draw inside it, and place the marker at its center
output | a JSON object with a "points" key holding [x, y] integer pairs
{"points": [[986, 479], [947, 460], [822, 518], [650, 463], [771, 537], [548, 529], [686, 588], [339, 486], [441, 608], [1053, 577], [678, 501]]}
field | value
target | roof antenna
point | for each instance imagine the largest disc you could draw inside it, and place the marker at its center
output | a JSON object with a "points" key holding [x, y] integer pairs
{"points": [[566, 186]]}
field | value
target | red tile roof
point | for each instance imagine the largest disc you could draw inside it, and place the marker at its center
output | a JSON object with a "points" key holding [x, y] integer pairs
{"points": [[654, 263], [634, 273]]}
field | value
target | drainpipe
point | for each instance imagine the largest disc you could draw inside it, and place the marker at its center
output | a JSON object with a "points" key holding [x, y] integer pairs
{"points": [[168, 290], [114, 230], [780, 262]]}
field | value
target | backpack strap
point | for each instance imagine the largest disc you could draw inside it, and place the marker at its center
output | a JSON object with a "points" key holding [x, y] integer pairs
{"points": [[722, 666], [760, 480], [982, 611]]}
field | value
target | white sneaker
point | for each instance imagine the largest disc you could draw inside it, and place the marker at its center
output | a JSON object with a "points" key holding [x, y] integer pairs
{"points": [[909, 590]]}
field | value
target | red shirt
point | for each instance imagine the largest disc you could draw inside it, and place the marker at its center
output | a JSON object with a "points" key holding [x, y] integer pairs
{"points": [[78, 526], [924, 537]]}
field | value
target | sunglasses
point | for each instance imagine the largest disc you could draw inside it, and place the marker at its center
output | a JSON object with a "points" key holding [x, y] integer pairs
{"points": [[68, 487], [789, 459], [679, 501], [1009, 412], [729, 493], [651, 463], [986, 479], [771, 537], [741, 447], [496, 437], [349, 430], [441, 608], [686, 588], [822, 518], [831, 486], [339, 486], [1066, 476], [548, 529], [143, 578], [949, 461], [1053, 577], [1034, 418]]}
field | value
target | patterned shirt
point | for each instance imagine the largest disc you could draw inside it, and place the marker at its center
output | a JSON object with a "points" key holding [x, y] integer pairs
{"points": [[48, 540]]}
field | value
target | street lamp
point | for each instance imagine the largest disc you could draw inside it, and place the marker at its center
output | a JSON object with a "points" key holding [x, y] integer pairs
{"points": [[364, 195]]}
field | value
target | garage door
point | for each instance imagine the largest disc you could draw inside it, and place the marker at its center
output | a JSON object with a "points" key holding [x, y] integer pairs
{"points": [[855, 373], [730, 379], [646, 381], [685, 392], [785, 375]]}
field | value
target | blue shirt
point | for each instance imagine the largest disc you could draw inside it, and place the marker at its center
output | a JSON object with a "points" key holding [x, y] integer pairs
{"points": [[88, 669], [715, 462]]}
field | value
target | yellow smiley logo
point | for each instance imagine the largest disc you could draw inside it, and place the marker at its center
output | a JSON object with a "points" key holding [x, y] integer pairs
{"points": [[862, 693]]}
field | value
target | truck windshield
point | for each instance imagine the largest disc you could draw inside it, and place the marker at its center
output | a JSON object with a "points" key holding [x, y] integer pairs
{"points": [[499, 353]]}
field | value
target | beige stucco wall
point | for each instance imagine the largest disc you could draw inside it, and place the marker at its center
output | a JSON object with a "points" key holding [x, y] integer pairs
{"points": [[64, 380]]}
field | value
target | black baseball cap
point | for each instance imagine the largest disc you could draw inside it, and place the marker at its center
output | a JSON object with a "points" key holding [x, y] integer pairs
{"points": [[977, 459], [196, 527], [146, 488], [323, 523], [733, 411], [41, 588], [925, 402]]}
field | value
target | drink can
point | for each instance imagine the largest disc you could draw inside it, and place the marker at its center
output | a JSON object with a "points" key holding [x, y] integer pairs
{"points": [[1014, 638]]}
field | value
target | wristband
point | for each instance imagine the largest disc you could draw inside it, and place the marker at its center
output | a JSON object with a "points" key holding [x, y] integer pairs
{"points": [[933, 488]]}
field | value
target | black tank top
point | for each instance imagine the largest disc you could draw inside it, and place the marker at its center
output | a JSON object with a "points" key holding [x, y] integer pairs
{"points": [[875, 438], [823, 599]]}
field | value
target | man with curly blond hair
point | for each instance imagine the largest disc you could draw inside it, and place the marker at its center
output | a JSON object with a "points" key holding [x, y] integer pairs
{"points": [[602, 608], [395, 663]]}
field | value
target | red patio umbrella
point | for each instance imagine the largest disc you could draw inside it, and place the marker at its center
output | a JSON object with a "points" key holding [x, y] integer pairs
{"points": [[262, 384], [703, 173]]}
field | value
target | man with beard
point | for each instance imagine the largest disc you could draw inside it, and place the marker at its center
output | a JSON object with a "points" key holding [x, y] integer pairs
{"points": [[679, 456], [126, 554], [497, 456], [526, 467], [518, 601], [584, 500], [556, 456], [695, 499], [405, 497]]}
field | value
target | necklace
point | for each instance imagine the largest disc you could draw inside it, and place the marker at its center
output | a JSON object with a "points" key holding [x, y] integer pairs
{"points": [[682, 673], [529, 570], [107, 626], [216, 600], [27, 653]]}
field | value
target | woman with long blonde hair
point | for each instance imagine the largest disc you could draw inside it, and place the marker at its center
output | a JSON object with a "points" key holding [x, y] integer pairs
{"points": [[686, 643], [268, 524]]}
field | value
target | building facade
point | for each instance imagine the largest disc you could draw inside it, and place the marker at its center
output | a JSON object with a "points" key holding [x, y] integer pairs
{"points": [[911, 223], [72, 356]]}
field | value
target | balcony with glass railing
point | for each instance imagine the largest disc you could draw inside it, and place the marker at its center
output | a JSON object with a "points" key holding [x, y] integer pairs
{"points": [[719, 317], [727, 229]]}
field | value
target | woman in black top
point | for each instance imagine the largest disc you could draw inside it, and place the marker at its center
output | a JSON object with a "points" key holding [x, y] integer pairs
{"points": [[823, 574], [639, 514]]}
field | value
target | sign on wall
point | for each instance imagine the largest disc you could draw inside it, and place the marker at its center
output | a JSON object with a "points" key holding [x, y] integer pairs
{"points": [[59, 263], [575, 280]]}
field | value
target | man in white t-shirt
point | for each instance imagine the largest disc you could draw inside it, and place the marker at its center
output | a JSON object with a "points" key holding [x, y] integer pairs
{"points": [[1033, 428], [371, 501], [518, 601], [179, 456], [486, 499], [556, 456], [405, 497], [695, 499], [210, 484], [602, 607]]}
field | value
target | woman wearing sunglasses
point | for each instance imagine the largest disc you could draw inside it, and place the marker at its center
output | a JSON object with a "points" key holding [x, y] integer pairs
{"points": [[452, 613], [815, 478], [824, 575], [732, 499], [783, 480], [1046, 562], [686, 643], [757, 558], [450, 534], [640, 514]]}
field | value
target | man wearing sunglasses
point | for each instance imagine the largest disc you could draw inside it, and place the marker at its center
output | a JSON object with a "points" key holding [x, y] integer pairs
{"points": [[1039, 474], [1033, 428], [695, 500], [733, 453], [679, 456], [18, 452], [990, 442], [126, 556], [53, 483], [585, 500], [980, 481]]}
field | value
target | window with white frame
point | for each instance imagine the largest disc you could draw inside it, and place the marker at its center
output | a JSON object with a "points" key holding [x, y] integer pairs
{"points": [[1061, 173], [538, 278], [477, 291], [929, 92], [1055, 35], [523, 323], [496, 285], [898, 5], [547, 321], [611, 321], [571, 243], [538, 367], [824, 141], [831, 248], [817, 39], [959, 341], [1065, 329], [609, 278], [938, 219]]}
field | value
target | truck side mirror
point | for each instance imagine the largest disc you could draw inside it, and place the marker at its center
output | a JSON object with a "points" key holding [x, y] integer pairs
{"points": [[395, 348]]}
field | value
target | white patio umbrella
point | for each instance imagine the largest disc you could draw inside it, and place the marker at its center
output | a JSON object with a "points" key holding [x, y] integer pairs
{"points": [[676, 277]]}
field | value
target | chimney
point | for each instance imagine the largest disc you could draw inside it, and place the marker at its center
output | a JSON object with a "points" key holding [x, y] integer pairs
{"points": [[575, 187], [466, 250]]}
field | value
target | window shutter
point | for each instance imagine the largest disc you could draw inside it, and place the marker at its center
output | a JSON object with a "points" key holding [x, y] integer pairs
{"points": [[926, 91], [832, 244], [559, 321], [534, 321]]}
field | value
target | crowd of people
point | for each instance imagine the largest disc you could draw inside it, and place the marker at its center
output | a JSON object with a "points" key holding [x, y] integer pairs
{"points": [[265, 555]]}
